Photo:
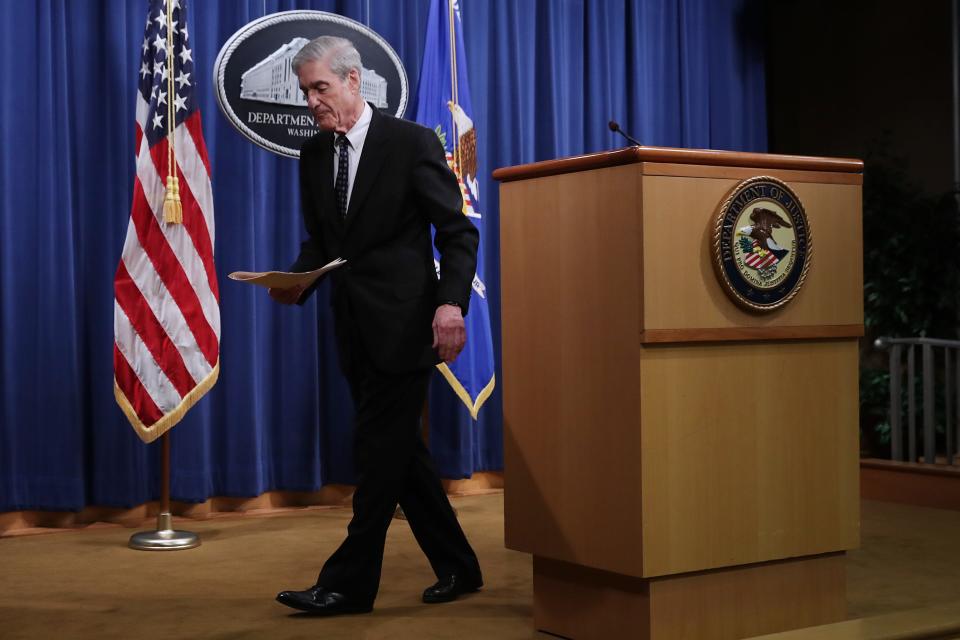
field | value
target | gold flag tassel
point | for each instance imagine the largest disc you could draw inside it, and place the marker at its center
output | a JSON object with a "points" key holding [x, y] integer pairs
{"points": [[172, 207]]}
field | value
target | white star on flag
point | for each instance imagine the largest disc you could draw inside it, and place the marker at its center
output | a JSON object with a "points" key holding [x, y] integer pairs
{"points": [[183, 79], [144, 71], [158, 121], [162, 98], [185, 54], [162, 72], [180, 102], [160, 43]]}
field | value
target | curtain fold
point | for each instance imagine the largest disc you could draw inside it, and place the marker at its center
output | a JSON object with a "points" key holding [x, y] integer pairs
{"points": [[545, 75]]}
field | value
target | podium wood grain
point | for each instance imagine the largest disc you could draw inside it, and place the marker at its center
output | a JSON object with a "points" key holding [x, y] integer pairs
{"points": [[571, 311], [746, 453], [574, 602]]}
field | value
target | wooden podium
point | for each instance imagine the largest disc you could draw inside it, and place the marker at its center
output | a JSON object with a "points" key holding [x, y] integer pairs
{"points": [[679, 467]]}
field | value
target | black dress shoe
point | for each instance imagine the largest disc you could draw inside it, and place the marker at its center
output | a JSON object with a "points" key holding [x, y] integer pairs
{"points": [[450, 588], [320, 602]]}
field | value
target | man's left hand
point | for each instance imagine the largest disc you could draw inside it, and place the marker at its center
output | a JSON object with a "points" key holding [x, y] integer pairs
{"points": [[449, 332]]}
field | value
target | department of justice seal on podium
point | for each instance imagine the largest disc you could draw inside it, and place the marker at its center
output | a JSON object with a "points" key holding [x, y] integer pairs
{"points": [[761, 244]]}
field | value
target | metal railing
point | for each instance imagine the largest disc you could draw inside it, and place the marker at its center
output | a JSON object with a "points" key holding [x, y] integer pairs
{"points": [[949, 367]]}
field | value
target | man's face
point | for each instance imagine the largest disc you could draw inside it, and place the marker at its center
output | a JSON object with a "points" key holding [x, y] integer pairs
{"points": [[332, 101]]}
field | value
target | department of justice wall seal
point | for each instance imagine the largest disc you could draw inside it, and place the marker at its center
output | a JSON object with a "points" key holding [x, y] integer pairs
{"points": [[260, 95], [762, 244]]}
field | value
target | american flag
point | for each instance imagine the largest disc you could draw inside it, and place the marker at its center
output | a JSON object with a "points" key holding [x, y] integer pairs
{"points": [[166, 301]]}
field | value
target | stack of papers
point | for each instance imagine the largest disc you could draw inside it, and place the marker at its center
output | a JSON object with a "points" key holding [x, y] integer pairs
{"points": [[284, 279]]}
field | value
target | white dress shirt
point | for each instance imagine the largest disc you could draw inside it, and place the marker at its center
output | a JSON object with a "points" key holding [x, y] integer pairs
{"points": [[357, 135]]}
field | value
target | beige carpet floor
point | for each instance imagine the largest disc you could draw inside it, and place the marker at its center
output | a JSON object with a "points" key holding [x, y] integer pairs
{"points": [[87, 584], [909, 558]]}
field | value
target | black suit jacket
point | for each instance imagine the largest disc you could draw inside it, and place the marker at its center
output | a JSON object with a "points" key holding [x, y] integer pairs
{"points": [[388, 291]]}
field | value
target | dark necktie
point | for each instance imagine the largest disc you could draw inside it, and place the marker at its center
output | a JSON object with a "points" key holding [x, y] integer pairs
{"points": [[343, 170]]}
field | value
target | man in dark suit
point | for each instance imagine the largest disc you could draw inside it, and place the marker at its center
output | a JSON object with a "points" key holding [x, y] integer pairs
{"points": [[371, 186]]}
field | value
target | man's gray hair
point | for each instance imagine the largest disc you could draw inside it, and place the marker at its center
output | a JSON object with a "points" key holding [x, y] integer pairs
{"points": [[343, 55]]}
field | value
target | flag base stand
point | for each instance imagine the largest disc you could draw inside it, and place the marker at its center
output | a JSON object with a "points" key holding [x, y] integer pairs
{"points": [[165, 538]]}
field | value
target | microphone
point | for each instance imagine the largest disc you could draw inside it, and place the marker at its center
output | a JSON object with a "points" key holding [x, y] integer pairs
{"points": [[616, 128]]}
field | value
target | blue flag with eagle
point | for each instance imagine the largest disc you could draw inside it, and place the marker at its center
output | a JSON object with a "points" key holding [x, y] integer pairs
{"points": [[443, 104]]}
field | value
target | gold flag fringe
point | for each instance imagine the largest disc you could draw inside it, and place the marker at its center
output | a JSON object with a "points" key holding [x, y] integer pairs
{"points": [[169, 420], [463, 394]]}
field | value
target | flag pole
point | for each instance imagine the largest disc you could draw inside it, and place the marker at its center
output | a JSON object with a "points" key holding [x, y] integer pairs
{"points": [[454, 98], [172, 205], [164, 537], [425, 411]]}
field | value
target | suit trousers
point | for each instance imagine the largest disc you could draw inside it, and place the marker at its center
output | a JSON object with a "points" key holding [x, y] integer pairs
{"points": [[394, 467]]}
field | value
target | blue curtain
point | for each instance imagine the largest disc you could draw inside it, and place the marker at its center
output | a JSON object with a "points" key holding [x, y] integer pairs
{"points": [[546, 76]]}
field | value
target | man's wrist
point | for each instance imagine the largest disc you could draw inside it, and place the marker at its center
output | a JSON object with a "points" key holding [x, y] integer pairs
{"points": [[452, 303]]}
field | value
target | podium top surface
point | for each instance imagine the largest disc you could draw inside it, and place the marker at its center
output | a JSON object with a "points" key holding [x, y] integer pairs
{"points": [[633, 155]]}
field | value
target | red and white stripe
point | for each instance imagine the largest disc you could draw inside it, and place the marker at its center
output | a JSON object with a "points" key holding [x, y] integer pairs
{"points": [[760, 259], [166, 306]]}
